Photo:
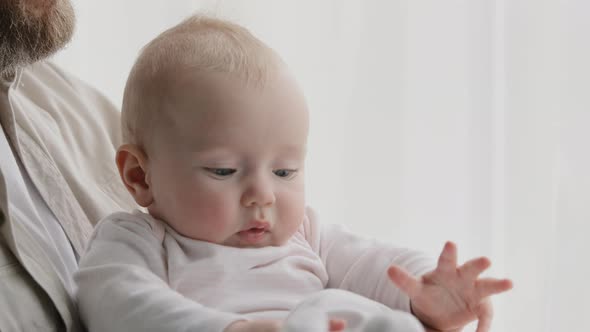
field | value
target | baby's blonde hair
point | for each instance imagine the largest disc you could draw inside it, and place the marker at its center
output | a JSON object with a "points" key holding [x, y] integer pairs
{"points": [[199, 44]]}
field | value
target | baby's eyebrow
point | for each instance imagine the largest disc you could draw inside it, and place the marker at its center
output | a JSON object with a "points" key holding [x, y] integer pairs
{"points": [[209, 150], [289, 151], [213, 152], [294, 148]]}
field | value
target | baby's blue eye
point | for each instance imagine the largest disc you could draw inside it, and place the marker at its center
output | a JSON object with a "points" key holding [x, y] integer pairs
{"points": [[284, 173], [221, 171]]}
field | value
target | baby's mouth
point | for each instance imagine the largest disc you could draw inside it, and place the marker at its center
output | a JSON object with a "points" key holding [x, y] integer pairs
{"points": [[253, 235]]}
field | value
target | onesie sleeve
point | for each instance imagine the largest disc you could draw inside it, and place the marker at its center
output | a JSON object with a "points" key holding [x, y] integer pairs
{"points": [[360, 264], [122, 282]]}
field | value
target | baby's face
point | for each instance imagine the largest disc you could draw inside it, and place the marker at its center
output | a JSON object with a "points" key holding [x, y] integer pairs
{"points": [[228, 165]]}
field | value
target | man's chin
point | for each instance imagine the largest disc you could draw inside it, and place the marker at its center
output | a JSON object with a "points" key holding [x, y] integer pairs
{"points": [[41, 7], [33, 32]]}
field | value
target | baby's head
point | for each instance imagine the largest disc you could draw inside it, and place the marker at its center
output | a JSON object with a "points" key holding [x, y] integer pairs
{"points": [[215, 132]]}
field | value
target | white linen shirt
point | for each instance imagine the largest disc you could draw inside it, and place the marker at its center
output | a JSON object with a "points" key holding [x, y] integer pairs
{"points": [[33, 212], [140, 275], [64, 133]]}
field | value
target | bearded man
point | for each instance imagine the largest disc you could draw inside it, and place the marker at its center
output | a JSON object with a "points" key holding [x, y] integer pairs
{"points": [[57, 174]]}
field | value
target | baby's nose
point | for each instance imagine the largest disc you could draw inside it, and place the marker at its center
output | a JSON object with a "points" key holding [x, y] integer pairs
{"points": [[258, 193]]}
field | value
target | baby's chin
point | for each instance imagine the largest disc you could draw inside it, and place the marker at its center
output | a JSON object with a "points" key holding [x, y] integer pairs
{"points": [[253, 240]]}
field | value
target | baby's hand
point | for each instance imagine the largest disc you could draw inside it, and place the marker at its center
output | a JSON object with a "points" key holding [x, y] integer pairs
{"points": [[269, 325], [451, 296]]}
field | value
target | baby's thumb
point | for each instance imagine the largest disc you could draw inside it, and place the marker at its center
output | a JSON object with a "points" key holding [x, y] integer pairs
{"points": [[403, 280], [337, 325]]}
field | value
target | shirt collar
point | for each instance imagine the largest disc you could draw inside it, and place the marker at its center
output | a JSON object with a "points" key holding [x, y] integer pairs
{"points": [[11, 80]]}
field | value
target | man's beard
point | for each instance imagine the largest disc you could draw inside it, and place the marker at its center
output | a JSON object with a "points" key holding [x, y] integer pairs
{"points": [[30, 34]]}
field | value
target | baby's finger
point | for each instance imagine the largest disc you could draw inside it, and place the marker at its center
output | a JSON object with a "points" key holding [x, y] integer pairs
{"points": [[484, 320], [337, 325], [447, 261], [474, 267], [407, 283], [488, 286]]}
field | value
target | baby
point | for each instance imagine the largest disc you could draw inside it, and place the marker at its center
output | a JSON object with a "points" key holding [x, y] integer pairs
{"points": [[215, 131]]}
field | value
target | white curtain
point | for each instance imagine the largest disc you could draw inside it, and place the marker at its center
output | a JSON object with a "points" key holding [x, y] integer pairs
{"points": [[431, 121]]}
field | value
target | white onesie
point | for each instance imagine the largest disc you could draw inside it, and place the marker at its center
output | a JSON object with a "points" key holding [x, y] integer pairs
{"points": [[197, 285]]}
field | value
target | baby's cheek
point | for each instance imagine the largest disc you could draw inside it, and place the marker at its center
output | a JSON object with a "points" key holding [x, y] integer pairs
{"points": [[215, 218], [292, 210]]}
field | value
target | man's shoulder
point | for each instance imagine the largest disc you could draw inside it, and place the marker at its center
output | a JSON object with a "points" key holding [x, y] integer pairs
{"points": [[71, 133], [47, 76]]}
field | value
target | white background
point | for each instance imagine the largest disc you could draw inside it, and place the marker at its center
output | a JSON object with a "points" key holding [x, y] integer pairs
{"points": [[431, 121]]}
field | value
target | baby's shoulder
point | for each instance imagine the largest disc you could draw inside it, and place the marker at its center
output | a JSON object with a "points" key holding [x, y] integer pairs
{"points": [[137, 222], [309, 229]]}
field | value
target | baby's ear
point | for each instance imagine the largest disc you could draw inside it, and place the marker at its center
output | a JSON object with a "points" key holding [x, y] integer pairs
{"points": [[132, 165]]}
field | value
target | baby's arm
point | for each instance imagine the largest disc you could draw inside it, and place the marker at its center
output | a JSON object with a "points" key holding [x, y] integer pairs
{"points": [[360, 265], [260, 325], [445, 296], [122, 284], [265, 325]]}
